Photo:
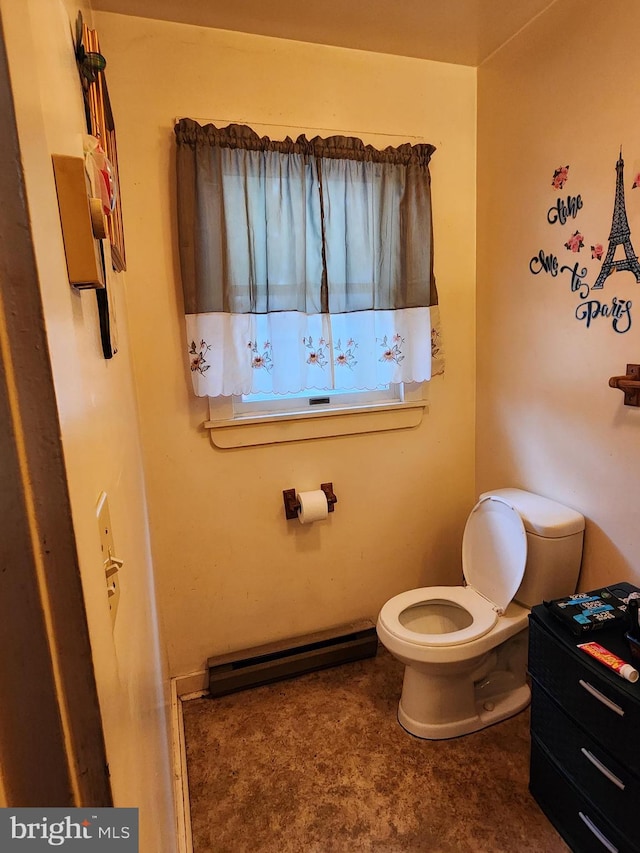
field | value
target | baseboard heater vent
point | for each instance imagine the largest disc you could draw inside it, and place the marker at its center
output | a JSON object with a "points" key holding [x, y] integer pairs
{"points": [[288, 658]]}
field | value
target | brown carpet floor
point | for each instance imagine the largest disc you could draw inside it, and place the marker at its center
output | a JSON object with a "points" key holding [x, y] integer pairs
{"points": [[319, 764]]}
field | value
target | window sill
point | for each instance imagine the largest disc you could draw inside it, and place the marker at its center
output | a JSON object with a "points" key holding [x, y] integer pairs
{"points": [[251, 430]]}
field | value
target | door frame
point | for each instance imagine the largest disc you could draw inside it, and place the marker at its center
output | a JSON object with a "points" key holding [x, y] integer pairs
{"points": [[52, 750]]}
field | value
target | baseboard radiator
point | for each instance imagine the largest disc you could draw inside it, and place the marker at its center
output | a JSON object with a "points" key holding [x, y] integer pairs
{"points": [[289, 658]]}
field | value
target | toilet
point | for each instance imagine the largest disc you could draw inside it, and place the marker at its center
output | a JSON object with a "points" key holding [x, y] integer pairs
{"points": [[465, 647]]}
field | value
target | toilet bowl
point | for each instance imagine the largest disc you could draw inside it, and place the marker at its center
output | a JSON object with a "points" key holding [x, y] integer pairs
{"points": [[465, 648]]}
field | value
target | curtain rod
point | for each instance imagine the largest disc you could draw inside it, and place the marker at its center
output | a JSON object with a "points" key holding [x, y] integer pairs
{"points": [[290, 127]]}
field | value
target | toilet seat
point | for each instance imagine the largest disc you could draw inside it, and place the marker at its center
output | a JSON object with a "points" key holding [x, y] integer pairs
{"points": [[494, 554], [480, 609]]}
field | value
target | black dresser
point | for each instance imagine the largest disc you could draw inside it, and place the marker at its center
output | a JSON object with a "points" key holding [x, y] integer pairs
{"points": [[585, 738]]}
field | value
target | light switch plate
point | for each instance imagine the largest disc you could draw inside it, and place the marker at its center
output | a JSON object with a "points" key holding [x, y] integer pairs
{"points": [[110, 564]]}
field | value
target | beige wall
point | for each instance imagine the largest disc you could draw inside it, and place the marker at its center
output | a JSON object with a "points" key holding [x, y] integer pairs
{"points": [[231, 571], [562, 92], [99, 427]]}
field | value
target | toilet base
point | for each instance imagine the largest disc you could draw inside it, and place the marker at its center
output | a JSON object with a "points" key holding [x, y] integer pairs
{"points": [[500, 707]]}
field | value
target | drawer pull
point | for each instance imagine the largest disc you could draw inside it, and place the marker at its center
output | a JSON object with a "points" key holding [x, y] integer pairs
{"points": [[601, 697], [601, 838], [601, 767]]}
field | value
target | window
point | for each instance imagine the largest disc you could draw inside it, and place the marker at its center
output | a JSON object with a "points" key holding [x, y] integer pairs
{"points": [[306, 265], [312, 400]]}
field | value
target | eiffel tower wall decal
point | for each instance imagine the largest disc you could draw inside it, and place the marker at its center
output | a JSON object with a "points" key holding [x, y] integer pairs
{"points": [[620, 236]]}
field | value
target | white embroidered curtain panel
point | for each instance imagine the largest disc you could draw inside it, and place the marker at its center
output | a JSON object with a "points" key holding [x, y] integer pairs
{"points": [[305, 264]]}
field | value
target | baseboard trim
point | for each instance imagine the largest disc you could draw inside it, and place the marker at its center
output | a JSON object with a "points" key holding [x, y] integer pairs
{"points": [[192, 682], [180, 777]]}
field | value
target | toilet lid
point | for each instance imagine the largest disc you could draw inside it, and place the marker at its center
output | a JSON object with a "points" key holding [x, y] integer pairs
{"points": [[494, 550]]}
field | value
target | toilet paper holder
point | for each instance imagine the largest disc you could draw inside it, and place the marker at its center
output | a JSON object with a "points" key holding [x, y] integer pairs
{"points": [[292, 504]]}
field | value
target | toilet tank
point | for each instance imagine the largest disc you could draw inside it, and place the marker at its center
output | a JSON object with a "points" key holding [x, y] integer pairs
{"points": [[554, 546]]}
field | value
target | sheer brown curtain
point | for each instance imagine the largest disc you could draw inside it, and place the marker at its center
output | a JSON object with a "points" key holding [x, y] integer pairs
{"points": [[307, 228]]}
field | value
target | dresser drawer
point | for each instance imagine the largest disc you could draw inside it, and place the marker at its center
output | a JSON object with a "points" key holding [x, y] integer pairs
{"points": [[607, 783], [604, 705], [581, 825]]}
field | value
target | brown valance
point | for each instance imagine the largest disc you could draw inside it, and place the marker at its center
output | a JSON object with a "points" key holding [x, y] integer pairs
{"points": [[190, 133], [306, 225]]}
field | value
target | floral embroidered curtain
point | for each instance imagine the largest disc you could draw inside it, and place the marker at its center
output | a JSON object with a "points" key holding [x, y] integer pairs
{"points": [[306, 263]]}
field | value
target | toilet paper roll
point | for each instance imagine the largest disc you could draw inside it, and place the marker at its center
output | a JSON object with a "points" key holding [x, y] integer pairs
{"points": [[313, 506]]}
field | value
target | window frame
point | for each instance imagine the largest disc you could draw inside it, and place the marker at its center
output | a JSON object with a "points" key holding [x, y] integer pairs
{"points": [[228, 429]]}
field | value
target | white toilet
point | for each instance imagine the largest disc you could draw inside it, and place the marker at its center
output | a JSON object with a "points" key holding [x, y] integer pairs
{"points": [[465, 648]]}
